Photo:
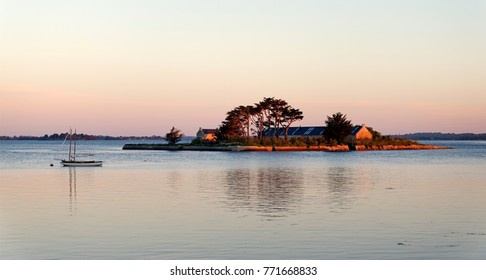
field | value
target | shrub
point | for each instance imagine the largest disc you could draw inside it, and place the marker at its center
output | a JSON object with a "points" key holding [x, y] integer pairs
{"points": [[173, 136]]}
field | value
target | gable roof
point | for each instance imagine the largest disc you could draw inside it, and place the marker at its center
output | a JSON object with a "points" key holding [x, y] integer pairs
{"points": [[355, 130], [297, 131], [209, 130]]}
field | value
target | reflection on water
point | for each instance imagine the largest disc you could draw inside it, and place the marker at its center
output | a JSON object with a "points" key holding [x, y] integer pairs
{"points": [[276, 191], [174, 181], [273, 192], [341, 183], [72, 191]]}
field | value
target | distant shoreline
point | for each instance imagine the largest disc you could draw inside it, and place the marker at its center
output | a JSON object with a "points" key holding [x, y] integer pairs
{"points": [[90, 138], [438, 136], [238, 148]]}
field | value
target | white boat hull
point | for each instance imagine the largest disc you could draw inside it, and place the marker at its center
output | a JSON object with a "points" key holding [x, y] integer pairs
{"points": [[81, 163]]}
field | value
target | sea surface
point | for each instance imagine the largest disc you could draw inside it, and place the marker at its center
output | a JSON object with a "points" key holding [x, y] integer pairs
{"points": [[370, 205]]}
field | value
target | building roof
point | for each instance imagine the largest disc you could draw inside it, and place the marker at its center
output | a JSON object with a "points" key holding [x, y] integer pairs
{"points": [[355, 130], [208, 130], [297, 131]]}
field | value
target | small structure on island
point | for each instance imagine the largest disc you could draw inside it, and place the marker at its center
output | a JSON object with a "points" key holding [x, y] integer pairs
{"points": [[206, 134], [359, 132]]}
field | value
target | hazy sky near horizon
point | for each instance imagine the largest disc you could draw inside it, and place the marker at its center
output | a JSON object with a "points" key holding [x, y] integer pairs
{"points": [[141, 67]]}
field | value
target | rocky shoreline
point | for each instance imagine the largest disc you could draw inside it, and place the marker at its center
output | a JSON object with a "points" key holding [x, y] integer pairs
{"points": [[238, 148]]}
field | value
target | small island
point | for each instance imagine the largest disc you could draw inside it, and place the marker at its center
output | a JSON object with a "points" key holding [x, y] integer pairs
{"points": [[267, 127]]}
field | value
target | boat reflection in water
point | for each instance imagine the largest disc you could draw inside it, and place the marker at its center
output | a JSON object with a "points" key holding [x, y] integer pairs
{"points": [[72, 191]]}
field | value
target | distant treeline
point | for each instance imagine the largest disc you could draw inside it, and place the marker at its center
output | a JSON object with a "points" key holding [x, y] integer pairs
{"points": [[79, 136], [442, 136]]}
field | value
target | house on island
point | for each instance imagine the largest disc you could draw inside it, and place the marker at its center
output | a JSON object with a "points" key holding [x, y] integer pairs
{"points": [[206, 134], [359, 132]]}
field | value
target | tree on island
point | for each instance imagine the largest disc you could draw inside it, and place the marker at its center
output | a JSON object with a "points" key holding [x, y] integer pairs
{"points": [[248, 121], [234, 125], [337, 128], [291, 115], [173, 136]]}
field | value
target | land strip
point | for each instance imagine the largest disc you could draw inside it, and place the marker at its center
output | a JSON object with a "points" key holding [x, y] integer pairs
{"points": [[239, 148]]}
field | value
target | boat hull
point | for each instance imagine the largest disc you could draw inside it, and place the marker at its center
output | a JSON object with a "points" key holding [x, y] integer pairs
{"points": [[81, 163]]}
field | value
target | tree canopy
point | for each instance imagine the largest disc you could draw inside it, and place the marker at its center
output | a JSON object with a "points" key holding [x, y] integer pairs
{"points": [[337, 127], [173, 136], [253, 120]]}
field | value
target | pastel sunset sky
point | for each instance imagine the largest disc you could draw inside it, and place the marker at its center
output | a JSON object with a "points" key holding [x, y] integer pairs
{"points": [[140, 67]]}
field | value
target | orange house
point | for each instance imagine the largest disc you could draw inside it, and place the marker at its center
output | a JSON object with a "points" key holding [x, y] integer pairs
{"points": [[206, 134], [359, 132]]}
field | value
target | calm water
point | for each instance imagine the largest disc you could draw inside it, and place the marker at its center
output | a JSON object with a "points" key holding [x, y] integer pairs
{"points": [[212, 205]]}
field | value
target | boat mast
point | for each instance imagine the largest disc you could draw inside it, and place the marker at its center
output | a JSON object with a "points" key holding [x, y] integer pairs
{"points": [[70, 142], [74, 157]]}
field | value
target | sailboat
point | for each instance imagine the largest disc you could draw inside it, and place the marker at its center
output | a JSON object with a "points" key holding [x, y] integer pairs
{"points": [[71, 161]]}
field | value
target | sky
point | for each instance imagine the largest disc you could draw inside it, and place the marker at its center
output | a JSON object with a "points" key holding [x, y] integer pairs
{"points": [[140, 67]]}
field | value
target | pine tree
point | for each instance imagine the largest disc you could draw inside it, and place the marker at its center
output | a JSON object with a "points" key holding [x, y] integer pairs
{"points": [[337, 127]]}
